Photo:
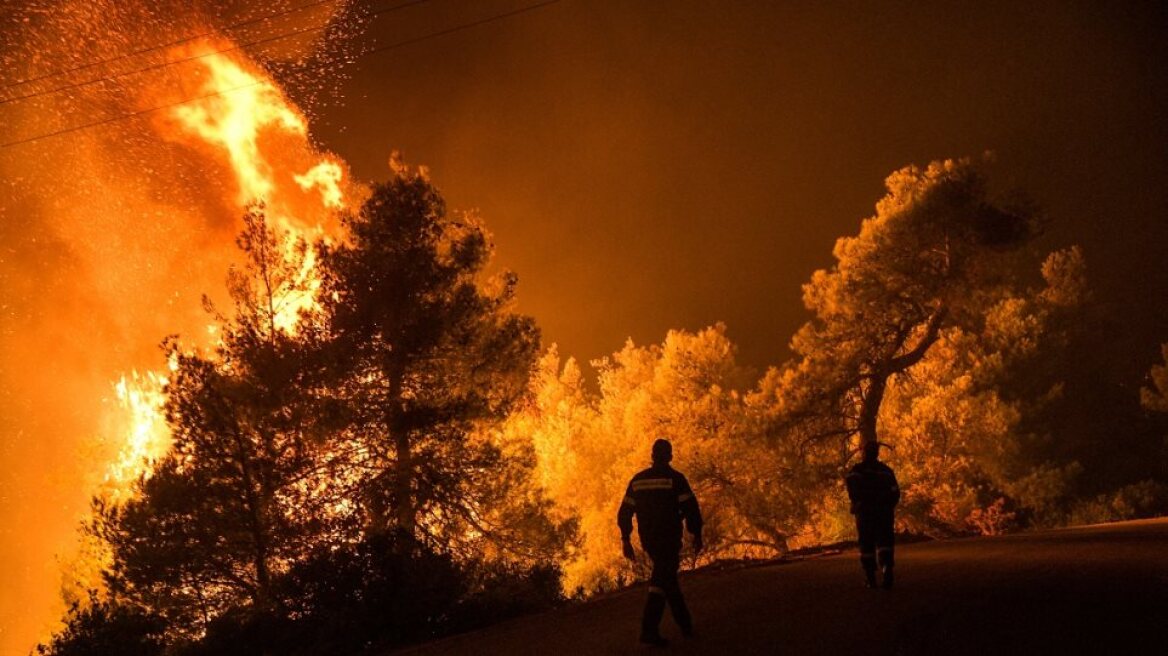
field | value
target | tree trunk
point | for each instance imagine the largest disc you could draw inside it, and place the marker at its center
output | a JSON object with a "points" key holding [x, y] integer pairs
{"points": [[256, 509], [870, 408], [878, 379], [403, 484], [402, 481]]}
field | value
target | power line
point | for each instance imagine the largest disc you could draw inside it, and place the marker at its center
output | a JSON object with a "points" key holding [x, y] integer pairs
{"points": [[465, 26], [385, 48], [153, 67], [122, 117], [171, 44]]}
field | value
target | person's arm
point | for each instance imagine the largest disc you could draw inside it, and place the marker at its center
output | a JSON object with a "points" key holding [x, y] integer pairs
{"points": [[893, 490], [690, 511], [624, 521], [852, 482]]}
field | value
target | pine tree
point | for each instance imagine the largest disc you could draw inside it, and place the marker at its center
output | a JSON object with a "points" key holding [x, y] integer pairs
{"points": [[932, 256], [422, 353], [232, 504]]}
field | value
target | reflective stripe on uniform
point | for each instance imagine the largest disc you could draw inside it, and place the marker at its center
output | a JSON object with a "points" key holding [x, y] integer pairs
{"points": [[652, 484], [656, 590], [629, 500], [884, 550], [682, 498]]}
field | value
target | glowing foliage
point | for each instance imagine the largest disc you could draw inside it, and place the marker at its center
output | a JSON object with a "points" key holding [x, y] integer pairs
{"points": [[588, 445], [919, 330], [914, 331]]}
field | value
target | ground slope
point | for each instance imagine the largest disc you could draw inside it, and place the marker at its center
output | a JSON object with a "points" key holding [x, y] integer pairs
{"points": [[1090, 590]]}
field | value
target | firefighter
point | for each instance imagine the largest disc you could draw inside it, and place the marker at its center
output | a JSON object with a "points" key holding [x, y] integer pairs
{"points": [[874, 494], [660, 498]]}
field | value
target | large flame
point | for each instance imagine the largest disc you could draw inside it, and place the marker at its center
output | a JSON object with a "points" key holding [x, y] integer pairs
{"points": [[243, 120], [241, 112], [113, 233], [140, 397], [248, 123]]}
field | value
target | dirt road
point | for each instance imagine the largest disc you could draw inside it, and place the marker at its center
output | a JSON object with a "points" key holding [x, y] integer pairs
{"points": [[1090, 590]]}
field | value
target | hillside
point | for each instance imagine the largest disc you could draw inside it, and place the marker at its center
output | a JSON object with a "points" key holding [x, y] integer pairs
{"points": [[1089, 590]]}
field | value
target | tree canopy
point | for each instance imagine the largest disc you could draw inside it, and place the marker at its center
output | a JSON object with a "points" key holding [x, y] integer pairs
{"points": [[375, 451], [316, 427]]}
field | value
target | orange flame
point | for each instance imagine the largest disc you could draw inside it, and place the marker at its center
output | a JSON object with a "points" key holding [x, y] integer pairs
{"points": [[244, 118], [147, 439], [235, 119], [130, 225], [327, 177]]}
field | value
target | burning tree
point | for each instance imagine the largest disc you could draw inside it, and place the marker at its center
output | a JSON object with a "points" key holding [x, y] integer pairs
{"points": [[229, 507], [421, 355], [315, 438]]}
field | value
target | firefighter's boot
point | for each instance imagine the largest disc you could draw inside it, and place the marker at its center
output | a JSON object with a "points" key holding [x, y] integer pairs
{"points": [[651, 620], [884, 554], [868, 562]]}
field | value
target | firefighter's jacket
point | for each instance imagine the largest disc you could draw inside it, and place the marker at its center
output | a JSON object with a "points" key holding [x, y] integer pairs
{"points": [[660, 498], [872, 488]]}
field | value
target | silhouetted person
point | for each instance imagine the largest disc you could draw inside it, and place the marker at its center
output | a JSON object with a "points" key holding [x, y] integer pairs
{"points": [[660, 498], [874, 493]]}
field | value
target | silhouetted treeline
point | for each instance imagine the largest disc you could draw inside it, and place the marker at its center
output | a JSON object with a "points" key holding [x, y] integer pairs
{"points": [[332, 482], [375, 453]]}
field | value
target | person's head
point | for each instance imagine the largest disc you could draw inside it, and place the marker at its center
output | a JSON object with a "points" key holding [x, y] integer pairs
{"points": [[662, 452], [871, 451]]}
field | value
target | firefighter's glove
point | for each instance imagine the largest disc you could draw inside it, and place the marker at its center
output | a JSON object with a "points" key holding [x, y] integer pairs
{"points": [[627, 549]]}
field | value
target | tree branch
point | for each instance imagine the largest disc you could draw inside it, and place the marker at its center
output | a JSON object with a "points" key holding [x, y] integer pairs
{"points": [[932, 332]]}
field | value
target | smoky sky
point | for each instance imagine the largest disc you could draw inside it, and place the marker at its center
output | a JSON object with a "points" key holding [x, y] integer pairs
{"points": [[643, 165], [109, 237], [649, 165]]}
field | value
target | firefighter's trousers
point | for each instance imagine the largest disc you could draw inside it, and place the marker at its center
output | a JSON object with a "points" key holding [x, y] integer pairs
{"points": [[664, 588], [876, 539]]}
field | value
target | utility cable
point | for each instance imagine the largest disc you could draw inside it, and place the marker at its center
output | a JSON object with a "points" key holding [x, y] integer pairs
{"points": [[175, 62], [385, 48], [171, 44]]}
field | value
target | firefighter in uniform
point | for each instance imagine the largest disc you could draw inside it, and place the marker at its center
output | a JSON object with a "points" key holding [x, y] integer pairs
{"points": [[874, 494], [660, 498]]}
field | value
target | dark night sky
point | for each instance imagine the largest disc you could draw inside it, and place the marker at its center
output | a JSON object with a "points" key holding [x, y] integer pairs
{"points": [[654, 165]]}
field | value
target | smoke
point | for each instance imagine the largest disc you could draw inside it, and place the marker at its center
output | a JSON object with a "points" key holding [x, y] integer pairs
{"points": [[109, 237]]}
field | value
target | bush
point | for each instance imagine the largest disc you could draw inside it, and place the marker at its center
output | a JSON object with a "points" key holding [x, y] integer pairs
{"points": [[105, 628], [1144, 499], [385, 592]]}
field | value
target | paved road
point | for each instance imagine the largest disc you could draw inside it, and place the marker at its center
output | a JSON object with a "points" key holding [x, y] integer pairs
{"points": [[1090, 590]]}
